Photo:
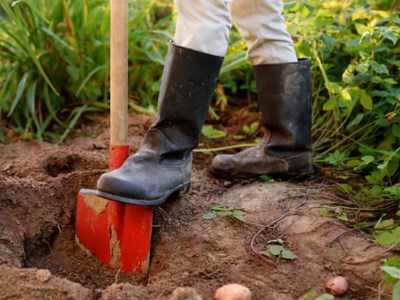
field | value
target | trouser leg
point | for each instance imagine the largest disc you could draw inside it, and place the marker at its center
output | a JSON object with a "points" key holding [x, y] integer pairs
{"points": [[262, 25], [203, 25]]}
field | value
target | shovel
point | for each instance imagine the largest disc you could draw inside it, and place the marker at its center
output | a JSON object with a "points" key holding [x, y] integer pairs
{"points": [[118, 235]]}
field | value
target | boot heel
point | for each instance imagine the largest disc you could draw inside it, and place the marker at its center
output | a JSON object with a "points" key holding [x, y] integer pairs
{"points": [[185, 189], [301, 165]]}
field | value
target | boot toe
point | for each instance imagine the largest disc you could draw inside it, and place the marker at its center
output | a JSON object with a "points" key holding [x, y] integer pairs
{"points": [[115, 183], [222, 164]]}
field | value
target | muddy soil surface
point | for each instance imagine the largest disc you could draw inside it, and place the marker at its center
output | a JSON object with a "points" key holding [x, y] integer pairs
{"points": [[39, 256]]}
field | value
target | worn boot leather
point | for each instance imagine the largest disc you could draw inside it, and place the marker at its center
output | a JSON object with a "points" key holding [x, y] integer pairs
{"points": [[163, 164], [284, 93]]}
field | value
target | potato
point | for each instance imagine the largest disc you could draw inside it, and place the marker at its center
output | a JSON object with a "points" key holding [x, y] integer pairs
{"points": [[337, 286], [233, 292]]}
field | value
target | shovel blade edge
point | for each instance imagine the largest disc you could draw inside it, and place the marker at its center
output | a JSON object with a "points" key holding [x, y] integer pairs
{"points": [[118, 235]]}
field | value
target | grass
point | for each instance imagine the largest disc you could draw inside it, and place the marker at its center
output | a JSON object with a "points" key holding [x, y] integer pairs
{"points": [[55, 61]]}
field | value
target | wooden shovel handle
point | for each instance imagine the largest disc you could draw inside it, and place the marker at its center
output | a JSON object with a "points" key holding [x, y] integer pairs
{"points": [[119, 72]]}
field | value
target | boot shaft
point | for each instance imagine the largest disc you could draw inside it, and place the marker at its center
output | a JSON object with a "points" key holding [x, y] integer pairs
{"points": [[187, 86], [284, 96]]}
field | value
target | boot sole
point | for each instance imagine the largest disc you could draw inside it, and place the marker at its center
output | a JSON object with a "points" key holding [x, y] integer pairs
{"points": [[180, 190], [243, 176]]}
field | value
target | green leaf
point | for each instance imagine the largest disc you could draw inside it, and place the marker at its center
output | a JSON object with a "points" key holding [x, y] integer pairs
{"points": [[361, 29], [275, 250], [396, 130], [220, 208], [239, 215], [393, 167], [88, 77], [391, 36], [31, 97], [356, 121], [325, 297], [360, 14], [393, 191], [330, 105], [2, 136], [76, 114], [388, 238], [343, 217], [20, 92], [396, 291], [367, 159], [336, 159], [392, 271], [384, 224], [209, 215], [334, 87], [222, 211], [288, 254], [323, 212], [379, 68], [346, 96], [345, 188], [366, 100], [266, 178], [310, 295], [376, 177], [252, 129], [393, 261], [212, 133], [279, 251]]}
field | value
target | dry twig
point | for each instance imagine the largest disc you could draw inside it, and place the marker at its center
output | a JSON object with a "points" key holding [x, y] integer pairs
{"points": [[271, 226]]}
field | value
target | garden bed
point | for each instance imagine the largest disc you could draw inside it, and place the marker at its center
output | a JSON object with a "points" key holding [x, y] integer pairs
{"points": [[193, 246]]}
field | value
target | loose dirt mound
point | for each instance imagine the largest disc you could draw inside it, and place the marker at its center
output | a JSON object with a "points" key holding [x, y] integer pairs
{"points": [[38, 284], [39, 184]]}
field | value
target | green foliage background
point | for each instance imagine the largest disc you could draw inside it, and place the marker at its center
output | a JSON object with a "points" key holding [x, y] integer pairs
{"points": [[54, 67]]}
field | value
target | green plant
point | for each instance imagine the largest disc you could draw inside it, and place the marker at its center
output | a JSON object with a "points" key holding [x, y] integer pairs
{"points": [[277, 249], [391, 268], [266, 178], [251, 129], [356, 83], [222, 211], [55, 64], [212, 133], [314, 295], [43, 71]]}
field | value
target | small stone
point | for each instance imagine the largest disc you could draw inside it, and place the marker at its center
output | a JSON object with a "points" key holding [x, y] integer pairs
{"points": [[227, 184], [43, 275]]}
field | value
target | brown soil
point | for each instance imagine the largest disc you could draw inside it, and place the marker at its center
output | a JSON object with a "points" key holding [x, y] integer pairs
{"points": [[39, 184]]}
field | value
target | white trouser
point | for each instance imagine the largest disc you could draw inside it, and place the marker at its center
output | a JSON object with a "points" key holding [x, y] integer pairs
{"points": [[204, 26]]}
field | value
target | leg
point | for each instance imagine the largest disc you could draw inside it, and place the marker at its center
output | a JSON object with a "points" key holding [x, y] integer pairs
{"points": [[163, 164], [203, 25], [262, 25], [284, 96]]}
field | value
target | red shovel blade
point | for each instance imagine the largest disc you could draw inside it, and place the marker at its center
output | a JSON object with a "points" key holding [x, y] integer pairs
{"points": [[119, 235]]}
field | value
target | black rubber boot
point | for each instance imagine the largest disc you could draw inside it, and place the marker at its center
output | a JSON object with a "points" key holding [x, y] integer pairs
{"points": [[284, 93], [163, 164]]}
